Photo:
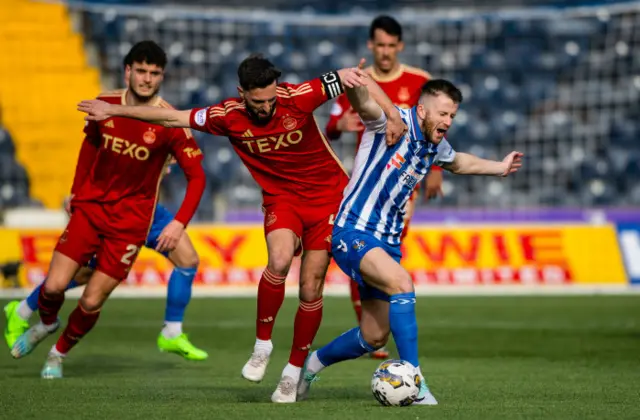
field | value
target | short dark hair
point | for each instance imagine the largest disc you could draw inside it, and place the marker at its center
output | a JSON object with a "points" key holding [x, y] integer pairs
{"points": [[146, 52], [435, 86], [256, 71], [387, 24]]}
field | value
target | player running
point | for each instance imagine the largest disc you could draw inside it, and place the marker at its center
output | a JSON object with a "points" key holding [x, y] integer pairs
{"points": [[366, 235], [114, 194], [403, 85], [144, 67], [272, 128]]}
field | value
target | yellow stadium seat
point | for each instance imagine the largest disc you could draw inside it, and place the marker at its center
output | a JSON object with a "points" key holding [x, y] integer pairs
{"points": [[43, 75]]}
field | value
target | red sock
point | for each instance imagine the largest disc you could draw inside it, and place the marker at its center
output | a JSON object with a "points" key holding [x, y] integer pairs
{"points": [[80, 323], [270, 298], [305, 328], [49, 306], [355, 300]]}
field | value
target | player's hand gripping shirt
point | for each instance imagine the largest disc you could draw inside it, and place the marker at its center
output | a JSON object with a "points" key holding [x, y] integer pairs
{"points": [[384, 178]]}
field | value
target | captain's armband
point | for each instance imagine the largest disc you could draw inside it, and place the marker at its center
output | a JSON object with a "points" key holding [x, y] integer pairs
{"points": [[332, 84]]}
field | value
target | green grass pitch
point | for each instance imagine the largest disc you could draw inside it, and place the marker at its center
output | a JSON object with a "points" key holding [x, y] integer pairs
{"points": [[484, 357]]}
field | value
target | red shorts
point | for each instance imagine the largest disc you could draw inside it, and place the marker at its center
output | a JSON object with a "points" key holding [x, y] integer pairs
{"points": [[312, 223], [89, 233]]}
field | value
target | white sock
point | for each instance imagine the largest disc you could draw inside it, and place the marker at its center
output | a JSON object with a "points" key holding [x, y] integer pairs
{"points": [[314, 365], [420, 372], [265, 345], [24, 311], [292, 371], [172, 329], [55, 351]]}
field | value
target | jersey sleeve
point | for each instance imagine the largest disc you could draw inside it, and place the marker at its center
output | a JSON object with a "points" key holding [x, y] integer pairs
{"points": [[212, 120], [339, 107], [445, 153], [311, 94], [378, 125], [189, 156]]}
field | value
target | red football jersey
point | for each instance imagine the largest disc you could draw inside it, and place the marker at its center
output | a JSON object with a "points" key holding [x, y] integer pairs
{"points": [[288, 156], [122, 160], [403, 87]]}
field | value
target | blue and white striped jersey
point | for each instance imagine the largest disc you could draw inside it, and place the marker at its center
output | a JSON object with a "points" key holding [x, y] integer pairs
{"points": [[384, 177]]}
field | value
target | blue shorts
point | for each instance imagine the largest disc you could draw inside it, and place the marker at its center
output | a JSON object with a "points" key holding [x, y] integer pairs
{"points": [[161, 218], [349, 246]]}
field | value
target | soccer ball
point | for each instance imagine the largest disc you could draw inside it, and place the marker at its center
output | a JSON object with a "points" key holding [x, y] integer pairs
{"points": [[396, 383]]}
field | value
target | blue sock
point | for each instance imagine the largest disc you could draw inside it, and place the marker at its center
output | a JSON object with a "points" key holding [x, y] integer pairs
{"points": [[349, 345], [404, 326], [179, 293], [32, 299]]}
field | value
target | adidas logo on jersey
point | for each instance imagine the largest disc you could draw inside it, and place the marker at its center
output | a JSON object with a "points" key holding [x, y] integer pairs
{"points": [[247, 133], [109, 124]]}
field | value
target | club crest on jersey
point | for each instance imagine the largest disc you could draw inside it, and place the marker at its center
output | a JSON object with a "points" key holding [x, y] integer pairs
{"points": [[149, 136], [403, 94], [289, 123], [358, 244], [271, 219]]}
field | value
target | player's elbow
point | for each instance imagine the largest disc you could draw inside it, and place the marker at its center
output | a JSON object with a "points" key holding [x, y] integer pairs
{"points": [[455, 169]]}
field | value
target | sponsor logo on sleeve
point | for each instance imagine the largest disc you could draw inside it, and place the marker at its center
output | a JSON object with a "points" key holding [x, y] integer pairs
{"points": [[201, 117]]}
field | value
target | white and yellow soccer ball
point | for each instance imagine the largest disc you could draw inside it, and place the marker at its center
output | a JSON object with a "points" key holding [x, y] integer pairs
{"points": [[396, 383]]}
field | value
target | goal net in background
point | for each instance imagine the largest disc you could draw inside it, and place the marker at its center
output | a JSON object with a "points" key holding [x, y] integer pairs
{"points": [[561, 85]]}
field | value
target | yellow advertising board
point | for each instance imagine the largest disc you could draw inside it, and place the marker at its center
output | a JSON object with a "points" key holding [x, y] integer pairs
{"points": [[459, 255]]}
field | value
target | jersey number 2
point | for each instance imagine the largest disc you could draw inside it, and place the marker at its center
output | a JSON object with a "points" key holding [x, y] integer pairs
{"points": [[131, 251]]}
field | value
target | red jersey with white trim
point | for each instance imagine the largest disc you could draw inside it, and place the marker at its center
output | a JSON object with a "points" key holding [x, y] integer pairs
{"points": [[122, 160], [289, 157]]}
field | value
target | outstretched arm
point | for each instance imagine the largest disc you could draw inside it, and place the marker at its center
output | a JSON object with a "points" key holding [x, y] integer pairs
{"points": [[98, 110], [466, 164]]}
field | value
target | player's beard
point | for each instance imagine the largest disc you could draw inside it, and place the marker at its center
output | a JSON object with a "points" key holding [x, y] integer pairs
{"points": [[261, 119], [143, 98], [428, 129]]}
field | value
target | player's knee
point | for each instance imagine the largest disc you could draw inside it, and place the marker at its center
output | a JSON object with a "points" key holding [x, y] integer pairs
{"points": [[279, 262], [92, 302], [187, 259], [52, 288], [376, 338], [400, 283], [55, 284], [311, 288]]}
